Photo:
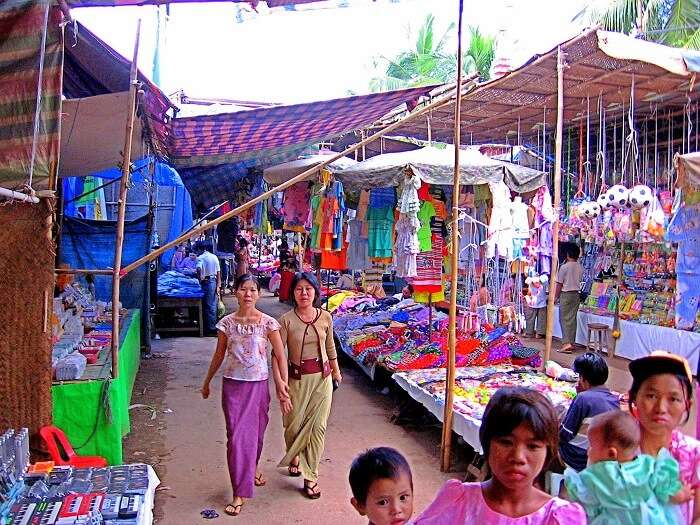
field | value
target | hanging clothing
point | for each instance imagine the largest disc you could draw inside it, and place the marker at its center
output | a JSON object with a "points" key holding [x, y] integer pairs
{"points": [[408, 202], [358, 247], [407, 245], [295, 207], [425, 214], [501, 225], [381, 224], [429, 268], [335, 260], [361, 215]]}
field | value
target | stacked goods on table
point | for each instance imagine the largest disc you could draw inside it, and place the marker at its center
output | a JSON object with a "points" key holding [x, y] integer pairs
{"points": [[399, 337], [176, 284], [81, 332], [474, 386], [46, 494]]}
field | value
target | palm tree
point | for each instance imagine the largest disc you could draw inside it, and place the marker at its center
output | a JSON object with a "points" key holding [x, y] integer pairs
{"points": [[429, 64], [670, 22]]}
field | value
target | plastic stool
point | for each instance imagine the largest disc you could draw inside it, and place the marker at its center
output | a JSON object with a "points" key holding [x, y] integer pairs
{"points": [[598, 337], [62, 452]]}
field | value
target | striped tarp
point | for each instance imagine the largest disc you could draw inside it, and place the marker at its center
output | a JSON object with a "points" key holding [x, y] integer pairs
{"points": [[111, 3], [208, 140], [21, 28]]}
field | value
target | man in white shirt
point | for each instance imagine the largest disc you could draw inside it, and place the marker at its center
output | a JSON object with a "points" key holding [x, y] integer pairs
{"points": [[566, 291], [209, 275]]}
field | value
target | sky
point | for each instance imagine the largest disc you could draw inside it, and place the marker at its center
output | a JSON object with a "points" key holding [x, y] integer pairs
{"points": [[319, 52]]}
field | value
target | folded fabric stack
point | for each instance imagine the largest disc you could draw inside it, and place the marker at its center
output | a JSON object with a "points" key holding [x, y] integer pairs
{"points": [[175, 284]]}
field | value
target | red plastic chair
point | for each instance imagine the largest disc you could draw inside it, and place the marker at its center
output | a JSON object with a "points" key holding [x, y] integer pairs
{"points": [[62, 452]]}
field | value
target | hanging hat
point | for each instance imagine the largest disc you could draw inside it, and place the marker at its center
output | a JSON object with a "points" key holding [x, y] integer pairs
{"points": [[660, 362]]}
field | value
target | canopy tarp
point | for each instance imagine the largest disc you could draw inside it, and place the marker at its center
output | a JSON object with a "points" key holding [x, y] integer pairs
{"points": [[94, 68], [92, 134], [283, 172], [688, 166], [21, 156], [436, 166], [116, 3], [210, 140]]}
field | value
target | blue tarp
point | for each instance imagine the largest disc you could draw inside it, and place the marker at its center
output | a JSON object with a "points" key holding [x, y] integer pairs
{"points": [[90, 244]]}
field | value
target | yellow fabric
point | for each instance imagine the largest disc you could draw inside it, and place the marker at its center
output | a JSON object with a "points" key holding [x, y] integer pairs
{"points": [[336, 300], [305, 426], [426, 297]]}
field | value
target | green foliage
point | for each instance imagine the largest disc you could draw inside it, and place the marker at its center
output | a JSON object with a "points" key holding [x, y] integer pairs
{"points": [[428, 63]]}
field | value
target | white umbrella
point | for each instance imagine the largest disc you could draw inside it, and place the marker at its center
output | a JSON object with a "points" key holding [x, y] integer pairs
{"points": [[280, 173]]}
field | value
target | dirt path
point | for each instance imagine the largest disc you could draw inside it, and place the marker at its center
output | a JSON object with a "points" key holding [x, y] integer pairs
{"points": [[184, 438]]}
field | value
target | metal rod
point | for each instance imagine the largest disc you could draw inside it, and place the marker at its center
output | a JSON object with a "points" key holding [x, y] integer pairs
{"points": [[121, 213], [71, 271], [454, 267], [557, 204], [18, 196]]}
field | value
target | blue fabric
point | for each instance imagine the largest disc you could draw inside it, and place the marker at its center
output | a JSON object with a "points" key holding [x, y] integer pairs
{"points": [[90, 244], [176, 284], [181, 220]]}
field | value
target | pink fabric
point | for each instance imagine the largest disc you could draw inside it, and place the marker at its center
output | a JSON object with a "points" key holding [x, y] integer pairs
{"points": [[463, 503], [686, 450], [246, 347]]}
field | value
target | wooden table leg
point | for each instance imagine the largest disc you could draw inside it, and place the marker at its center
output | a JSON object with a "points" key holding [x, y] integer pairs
{"points": [[200, 308]]}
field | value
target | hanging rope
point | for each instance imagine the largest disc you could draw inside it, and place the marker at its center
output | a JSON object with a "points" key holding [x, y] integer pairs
{"points": [[656, 145], [690, 125], [39, 91], [632, 154], [601, 156], [579, 190]]}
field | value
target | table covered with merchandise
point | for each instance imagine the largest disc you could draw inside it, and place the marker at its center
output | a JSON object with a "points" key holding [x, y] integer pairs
{"points": [[93, 410], [474, 386], [637, 339], [398, 336]]}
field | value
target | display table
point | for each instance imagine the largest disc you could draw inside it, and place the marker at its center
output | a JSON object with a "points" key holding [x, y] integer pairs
{"points": [[474, 387], [181, 302], [94, 411], [639, 340]]}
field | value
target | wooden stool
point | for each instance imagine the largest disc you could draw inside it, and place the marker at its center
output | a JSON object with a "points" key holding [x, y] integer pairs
{"points": [[598, 337]]}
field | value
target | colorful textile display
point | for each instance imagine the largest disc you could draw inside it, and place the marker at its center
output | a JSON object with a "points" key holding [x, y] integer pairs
{"points": [[380, 220], [295, 206], [398, 337], [474, 386]]}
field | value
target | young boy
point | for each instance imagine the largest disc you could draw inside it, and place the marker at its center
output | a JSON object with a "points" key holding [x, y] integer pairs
{"points": [[382, 486]]}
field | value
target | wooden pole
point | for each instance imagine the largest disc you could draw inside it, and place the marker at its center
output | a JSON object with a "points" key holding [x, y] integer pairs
{"points": [[121, 211], [72, 271], [557, 205], [446, 447], [438, 102]]}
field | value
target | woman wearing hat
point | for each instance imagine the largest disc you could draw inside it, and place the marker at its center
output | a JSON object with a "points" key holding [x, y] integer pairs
{"points": [[660, 398]]}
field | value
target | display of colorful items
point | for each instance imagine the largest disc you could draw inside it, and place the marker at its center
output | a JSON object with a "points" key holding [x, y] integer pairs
{"points": [[647, 287], [400, 336], [81, 330], [475, 385]]}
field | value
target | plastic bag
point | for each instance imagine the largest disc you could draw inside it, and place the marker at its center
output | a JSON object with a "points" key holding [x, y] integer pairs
{"points": [[220, 309]]}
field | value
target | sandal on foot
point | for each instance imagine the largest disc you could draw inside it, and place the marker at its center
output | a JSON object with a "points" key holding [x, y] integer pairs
{"points": [[294, 470], [233, 510], [260, 480], [567, 350], [310, 490]]}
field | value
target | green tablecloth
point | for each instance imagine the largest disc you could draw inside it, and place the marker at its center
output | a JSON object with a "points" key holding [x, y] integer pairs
{"points": [[94, 414]]}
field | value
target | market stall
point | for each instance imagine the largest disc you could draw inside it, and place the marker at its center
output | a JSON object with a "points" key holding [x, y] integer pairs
{"points": [[473, 389], [89, 405], [48, 493]]}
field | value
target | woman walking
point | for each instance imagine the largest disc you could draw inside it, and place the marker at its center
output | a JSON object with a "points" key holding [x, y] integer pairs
{"points": [[307, 332], [245, 397], [661, 398], [242, 257]]}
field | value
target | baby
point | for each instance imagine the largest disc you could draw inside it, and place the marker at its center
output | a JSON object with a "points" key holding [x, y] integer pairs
{"points": [[622, 486], [382, 486]]}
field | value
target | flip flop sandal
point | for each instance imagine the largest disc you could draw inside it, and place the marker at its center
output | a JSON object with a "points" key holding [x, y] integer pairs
{"points": [[309, 490], [260, 481], [294, 470], [233, 510], [569, 350]]}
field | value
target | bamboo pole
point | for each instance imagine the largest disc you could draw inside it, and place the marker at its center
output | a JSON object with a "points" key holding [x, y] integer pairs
{"points": [[72, 271], [121, 212], [446, 447], [557, 205], [442, 101]]}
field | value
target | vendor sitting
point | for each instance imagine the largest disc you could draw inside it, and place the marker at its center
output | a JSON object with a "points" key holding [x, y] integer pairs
{"points": [[345, 282], [593, 398], [188, 265], [406, 293]]}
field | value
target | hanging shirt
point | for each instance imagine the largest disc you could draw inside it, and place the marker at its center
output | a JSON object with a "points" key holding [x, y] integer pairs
{"points": [[296, 206], [427, 212]]}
